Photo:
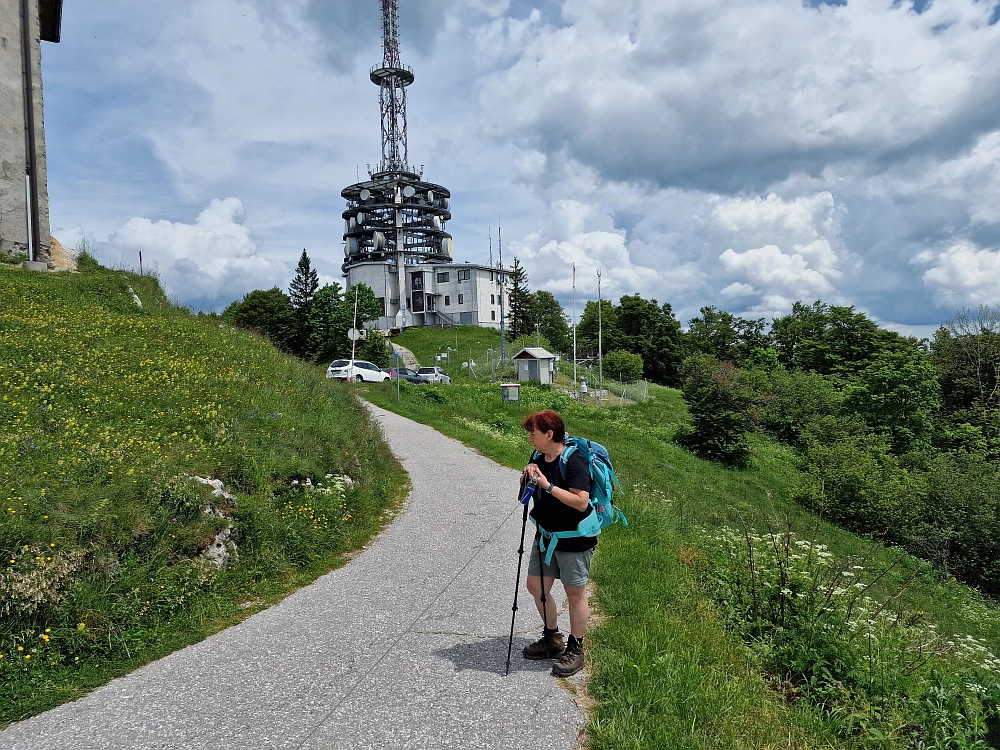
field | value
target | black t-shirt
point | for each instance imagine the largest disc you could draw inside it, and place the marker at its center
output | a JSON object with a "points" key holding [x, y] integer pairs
{"points": [[554, 515]]}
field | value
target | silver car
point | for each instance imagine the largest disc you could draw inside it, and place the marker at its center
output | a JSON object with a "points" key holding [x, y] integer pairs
{"points": [[356, 370], [433, 375]]}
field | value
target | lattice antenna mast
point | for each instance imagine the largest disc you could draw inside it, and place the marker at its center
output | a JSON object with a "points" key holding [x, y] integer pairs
{"points": [[392, 78]]}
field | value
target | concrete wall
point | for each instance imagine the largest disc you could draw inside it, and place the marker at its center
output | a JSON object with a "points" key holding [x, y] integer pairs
{"points": [[13, 144]]}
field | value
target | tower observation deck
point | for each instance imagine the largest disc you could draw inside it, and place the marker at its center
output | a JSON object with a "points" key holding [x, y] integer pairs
{"points": [[395, 212], [395, 217]]}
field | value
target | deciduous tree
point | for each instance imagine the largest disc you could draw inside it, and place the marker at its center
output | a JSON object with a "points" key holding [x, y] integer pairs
{"points": [[269, 312]]}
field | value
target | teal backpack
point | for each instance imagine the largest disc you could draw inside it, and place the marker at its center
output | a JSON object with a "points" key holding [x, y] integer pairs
{"points": [[603, 512]]}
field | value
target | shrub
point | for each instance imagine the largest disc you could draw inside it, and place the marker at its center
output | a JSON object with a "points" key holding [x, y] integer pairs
{"points": [[956, 518], [718, 400], [623, 366], [854, 479], [794, 399]]}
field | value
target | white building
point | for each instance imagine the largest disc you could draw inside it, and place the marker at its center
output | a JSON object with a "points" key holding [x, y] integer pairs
{"points": [[434, 294]]}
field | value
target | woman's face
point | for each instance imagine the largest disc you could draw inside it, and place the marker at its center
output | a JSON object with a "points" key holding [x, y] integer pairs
{"points": [[540, 440]]}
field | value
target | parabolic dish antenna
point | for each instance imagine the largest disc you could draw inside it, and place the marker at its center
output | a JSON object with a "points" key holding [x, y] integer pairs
{"points": [[365, 194], [361, 218], [378, 240], [430, 196], [409, 192]]}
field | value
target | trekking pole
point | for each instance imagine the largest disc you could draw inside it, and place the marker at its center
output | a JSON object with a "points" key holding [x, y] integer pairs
{"points": [[529, 491]]}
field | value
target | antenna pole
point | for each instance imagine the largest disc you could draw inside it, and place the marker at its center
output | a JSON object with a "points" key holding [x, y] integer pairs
{"points": [[600, 329], [392, 79], [503, 331], [574, 325]]}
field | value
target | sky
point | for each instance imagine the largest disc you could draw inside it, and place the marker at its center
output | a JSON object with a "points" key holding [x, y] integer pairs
{"points": [[697, 152]]}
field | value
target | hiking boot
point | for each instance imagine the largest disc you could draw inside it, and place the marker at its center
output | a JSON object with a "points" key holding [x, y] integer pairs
{"points": [[571, 661], [550, 645]]}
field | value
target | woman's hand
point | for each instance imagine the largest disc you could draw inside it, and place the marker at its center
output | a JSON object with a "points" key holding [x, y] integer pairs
{"points": [[533, 472]]}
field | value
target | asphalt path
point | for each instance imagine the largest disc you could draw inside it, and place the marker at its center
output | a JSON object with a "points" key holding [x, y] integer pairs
{"points": [[404, 647]]}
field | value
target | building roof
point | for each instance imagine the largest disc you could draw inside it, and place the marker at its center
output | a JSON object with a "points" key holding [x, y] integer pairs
{"points": [[535, 352]]}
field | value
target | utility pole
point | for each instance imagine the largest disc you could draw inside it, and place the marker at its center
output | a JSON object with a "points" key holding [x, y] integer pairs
{"points": [[354, 329], [600, 330]]}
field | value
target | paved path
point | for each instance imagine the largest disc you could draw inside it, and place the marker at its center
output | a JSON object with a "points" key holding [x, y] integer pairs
{"points": [[402, 648], [408, 357]]}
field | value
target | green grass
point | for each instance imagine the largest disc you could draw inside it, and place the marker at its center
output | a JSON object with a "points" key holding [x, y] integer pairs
{"points": [[106, 409], [666, 672]]}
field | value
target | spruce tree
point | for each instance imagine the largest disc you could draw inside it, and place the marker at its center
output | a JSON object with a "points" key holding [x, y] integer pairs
{"points": [[519, 315], [302, 291]]}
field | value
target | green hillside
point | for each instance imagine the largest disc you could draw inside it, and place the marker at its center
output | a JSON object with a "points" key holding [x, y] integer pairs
{"points": [[107, 411], [699, 646]]}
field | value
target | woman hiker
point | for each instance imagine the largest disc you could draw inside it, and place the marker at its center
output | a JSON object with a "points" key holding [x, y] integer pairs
{"points": [[560, 503]]}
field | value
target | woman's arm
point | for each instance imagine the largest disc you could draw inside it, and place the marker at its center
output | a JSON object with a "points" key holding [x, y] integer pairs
{"points": [[576, 499]]}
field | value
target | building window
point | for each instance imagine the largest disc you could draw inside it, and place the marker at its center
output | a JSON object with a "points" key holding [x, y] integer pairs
{"points": [[447, 300], [461, 298], [418, 282], [493, 301], [463, 274], [443, 277], [418, 302], [493, 314], [491, 276], [381, 302]]}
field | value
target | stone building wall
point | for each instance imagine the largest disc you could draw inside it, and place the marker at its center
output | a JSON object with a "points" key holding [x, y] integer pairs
{"points": [[13, 143]]}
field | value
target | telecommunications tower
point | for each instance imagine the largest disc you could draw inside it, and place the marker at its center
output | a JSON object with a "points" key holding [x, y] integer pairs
{"points": [[394, 218]]}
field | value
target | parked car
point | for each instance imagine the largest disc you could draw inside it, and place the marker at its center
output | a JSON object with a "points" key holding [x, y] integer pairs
{"points": [[359, 369], [434, 375], [405, 373]]}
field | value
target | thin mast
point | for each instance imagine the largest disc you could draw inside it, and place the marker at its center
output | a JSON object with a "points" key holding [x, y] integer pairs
{"points": [[574, 325], [503, 331], [600, 349]]}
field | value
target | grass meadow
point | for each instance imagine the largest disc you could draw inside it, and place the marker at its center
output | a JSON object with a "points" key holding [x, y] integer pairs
{"points": [[107, 411], [671, 666]]}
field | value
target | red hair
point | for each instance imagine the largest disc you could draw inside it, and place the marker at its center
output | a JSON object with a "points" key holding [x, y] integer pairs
{"points": [[545, 421]]}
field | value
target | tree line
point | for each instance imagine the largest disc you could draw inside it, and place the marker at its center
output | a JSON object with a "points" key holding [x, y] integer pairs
{"points": [[311, 321], [900, 438]]}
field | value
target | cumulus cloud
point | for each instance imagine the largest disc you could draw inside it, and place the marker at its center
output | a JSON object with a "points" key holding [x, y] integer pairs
{"points": [[721, 95], [805, 265], [963, 275], [205, 264]]}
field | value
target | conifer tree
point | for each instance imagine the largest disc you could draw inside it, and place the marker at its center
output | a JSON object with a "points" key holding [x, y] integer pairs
{"points": [[519, 318], [302, 292]]}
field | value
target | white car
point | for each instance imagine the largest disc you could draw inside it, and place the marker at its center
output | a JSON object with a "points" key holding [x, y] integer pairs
{"points": [[433, 375], [356, 370]]}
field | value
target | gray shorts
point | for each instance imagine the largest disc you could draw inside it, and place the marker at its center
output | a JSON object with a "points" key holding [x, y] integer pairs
{"points": [[573, 568]]}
